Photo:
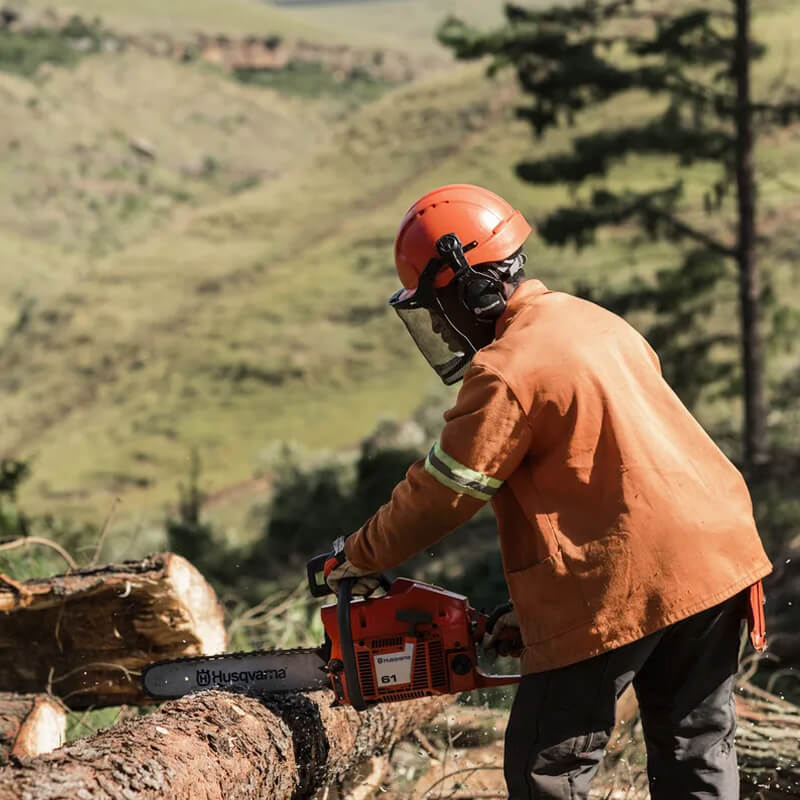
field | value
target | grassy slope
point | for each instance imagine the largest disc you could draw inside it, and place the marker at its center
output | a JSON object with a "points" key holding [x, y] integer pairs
{"points": [[264, 317], [265, 283], [73, 179]]}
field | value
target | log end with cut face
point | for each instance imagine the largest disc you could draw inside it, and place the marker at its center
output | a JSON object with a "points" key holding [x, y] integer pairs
{"points": [[87, 635], [200, 604], [30, 724], [43, 730]]}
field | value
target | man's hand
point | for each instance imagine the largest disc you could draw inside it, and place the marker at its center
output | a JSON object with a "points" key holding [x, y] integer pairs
{"points": [[503, 634], [338, 567]]}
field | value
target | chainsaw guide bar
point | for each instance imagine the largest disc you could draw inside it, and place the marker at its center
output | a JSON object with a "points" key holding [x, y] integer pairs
{"points": [[256, 672]]}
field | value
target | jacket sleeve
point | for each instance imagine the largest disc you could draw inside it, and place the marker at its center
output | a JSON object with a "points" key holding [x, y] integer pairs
{"points": [[485, 437]]}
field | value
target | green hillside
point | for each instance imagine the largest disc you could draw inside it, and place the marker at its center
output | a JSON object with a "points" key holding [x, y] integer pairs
{"points": [[261, 318], [231, 307], [77, 177]]}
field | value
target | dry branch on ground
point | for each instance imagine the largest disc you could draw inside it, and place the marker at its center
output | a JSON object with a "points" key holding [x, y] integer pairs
{"points": [[30, 724], [767, 747], [85, 636], [219, 745]]}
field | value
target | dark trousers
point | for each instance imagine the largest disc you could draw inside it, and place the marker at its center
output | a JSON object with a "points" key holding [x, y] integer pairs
{"points": [[683, 676]]}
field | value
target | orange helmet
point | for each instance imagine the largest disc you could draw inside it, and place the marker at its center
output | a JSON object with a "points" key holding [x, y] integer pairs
{"points": [[472, 213], [430, 254]]}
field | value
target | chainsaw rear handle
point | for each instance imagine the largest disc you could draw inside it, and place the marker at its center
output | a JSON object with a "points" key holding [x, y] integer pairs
{"points": [[499, 611], [318, 587], [509, 641]]}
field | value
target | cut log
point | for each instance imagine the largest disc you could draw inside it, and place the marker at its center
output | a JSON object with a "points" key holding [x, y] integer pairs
{"points": [[85, 636], [219, 745], [30, 724]]}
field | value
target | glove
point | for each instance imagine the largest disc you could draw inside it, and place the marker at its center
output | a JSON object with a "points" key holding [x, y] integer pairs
{"points": [[337, 567], [502, 632]]}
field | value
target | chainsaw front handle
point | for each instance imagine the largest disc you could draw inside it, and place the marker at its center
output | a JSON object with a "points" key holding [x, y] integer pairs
{"points": [[317, 585], [346, 643]]}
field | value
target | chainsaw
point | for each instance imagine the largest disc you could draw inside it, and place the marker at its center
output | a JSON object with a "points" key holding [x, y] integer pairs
{"points": [[413, 641]]}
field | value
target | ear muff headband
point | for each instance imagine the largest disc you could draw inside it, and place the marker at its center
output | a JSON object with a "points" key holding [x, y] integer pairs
{"points": [[482, 293]]}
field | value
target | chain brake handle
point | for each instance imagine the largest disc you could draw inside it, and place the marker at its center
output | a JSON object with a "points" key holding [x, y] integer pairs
{"points": [[318, 586], [315, 570]]}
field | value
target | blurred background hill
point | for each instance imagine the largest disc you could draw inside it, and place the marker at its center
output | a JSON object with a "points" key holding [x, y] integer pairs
{"points": [[196, 230], [198, 254]]}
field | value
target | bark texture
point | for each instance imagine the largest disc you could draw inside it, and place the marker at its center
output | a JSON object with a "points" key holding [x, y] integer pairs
{"points": [[218, 746], [85, 636], [30, 724]]}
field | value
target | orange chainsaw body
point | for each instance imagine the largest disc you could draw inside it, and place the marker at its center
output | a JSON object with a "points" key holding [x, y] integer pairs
{"points": [[414, 641]]}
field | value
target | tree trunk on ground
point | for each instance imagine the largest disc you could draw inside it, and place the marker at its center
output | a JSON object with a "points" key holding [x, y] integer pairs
{"points": [[755, 447], [219, 745], [85, 636], [30, 724]]}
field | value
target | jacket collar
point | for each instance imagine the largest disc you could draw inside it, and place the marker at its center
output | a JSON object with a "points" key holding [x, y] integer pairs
{"points": [[527, 292]]}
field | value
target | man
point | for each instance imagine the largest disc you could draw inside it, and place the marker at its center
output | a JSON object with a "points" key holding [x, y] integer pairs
{"points": [[627, 537]]}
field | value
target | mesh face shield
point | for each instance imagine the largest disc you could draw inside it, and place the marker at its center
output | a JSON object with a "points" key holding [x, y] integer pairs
{"points": [[447, 347], [444, 346]]}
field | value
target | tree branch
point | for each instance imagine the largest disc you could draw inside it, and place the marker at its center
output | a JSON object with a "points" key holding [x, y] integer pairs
{"points": [[684, 229], [594, 154]]}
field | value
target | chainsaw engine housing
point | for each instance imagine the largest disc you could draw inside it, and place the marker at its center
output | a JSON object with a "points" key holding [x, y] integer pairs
{"points": [[414, 641]]}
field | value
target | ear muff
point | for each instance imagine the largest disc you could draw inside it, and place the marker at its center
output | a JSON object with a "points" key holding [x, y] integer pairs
{"points": [[480, 288], [483, 294]]}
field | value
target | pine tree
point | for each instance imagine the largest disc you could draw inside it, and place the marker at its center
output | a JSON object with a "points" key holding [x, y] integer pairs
{"points": [[696, 60]]}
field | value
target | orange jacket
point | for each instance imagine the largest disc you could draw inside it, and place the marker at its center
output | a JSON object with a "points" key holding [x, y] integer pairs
{"points": [[617, 514]]}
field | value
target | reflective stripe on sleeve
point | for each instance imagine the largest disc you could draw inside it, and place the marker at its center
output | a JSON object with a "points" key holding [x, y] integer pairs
{"points": [[458, 477]]}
